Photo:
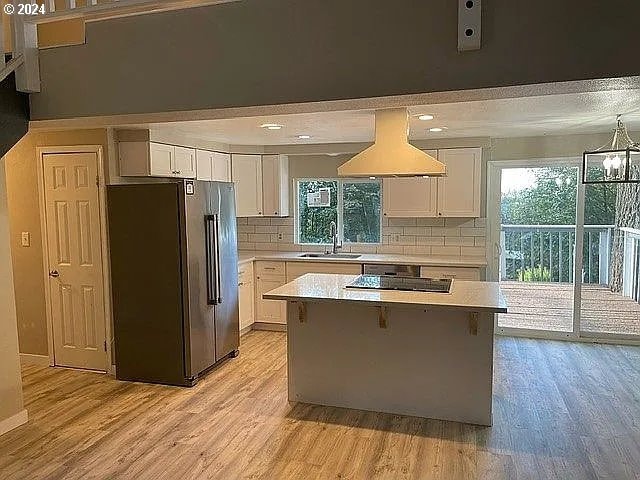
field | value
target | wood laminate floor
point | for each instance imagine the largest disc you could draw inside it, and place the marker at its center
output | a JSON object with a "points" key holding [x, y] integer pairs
{"points": [[562, 410]]}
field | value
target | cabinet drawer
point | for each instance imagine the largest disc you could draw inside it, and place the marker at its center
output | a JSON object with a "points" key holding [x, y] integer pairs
{"points": [[459, 273], [270, 268]]}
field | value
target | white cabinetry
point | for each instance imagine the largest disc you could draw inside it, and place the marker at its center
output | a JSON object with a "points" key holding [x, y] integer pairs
{"points": [[213, 166], [456, 195], [246, 173], [410, 197], [261, 184], [270, 275], [150, 159], [459, 191], [245, 295]]}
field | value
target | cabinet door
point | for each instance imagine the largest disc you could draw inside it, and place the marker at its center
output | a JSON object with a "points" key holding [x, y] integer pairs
{"points": [[275, 181], [410, 197], [204, 165], [221, 163], [270, 311], [459, 191], [185, 162], [246, 173], [245, 303], [161, 159]]}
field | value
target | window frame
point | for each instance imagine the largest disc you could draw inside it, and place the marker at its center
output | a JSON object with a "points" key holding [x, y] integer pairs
{"points": [[339, 207]]}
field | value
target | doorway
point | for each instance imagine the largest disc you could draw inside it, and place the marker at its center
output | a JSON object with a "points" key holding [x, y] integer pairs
{"points": [[567, 255], [72, 221]]}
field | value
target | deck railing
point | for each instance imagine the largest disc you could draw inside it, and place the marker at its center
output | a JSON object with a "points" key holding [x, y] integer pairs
{"points": [[545, 253]]}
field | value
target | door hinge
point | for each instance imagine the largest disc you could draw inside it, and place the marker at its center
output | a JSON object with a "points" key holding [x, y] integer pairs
{"points": [[97, 181], [105, 345]]}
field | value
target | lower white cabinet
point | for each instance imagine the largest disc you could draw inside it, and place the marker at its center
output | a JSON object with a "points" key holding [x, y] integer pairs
{"points": [[270, 275], [246, 295]]}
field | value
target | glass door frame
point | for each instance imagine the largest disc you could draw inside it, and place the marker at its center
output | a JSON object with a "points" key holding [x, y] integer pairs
{"points": [[493, 253]]}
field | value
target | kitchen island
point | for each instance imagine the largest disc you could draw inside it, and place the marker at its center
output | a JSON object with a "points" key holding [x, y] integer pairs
{"points": [[411, 353]]}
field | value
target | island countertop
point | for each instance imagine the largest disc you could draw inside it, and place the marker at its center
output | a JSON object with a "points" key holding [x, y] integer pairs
{"points": [[465, 295]]}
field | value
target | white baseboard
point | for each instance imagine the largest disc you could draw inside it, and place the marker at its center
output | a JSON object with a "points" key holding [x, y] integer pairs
{"points": [[32, 359], [273, 327], [13, 421]]}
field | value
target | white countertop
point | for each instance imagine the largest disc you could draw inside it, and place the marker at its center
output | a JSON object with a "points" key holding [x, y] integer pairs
{"points": [[426, 260], [465, 295]]}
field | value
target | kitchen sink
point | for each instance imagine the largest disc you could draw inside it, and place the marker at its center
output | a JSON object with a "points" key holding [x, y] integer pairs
{"points": [[330, 255]]}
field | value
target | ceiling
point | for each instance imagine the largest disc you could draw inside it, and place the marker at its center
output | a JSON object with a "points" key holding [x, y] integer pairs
{"points": [[529, 116]]}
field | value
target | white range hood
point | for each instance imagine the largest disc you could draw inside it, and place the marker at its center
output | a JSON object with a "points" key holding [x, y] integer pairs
{"points": [[392, 155]]}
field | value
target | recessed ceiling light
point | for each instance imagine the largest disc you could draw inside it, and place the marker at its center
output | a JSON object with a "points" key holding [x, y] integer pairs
{"points": [[425, 117], [304, 137], [271, 126], [437, 129]]}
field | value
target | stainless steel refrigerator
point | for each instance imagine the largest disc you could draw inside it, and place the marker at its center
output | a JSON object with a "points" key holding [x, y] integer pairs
{"points": [[174, 274]]}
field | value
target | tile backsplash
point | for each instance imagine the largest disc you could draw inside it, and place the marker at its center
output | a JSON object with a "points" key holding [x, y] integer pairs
{"points": [[410, 236]]}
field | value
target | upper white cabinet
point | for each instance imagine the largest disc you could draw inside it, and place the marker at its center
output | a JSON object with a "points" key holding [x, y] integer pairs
{"points": [[246, 173], [261, 184], [410, 197], [459, 191], [456, 195], [275, 185], [150, 159], [213, 166]]}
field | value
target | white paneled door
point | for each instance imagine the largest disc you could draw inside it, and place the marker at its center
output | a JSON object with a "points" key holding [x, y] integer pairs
{"points": [[75, 259]]}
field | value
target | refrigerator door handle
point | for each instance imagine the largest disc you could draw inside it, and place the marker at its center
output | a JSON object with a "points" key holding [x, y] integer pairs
{"points": [[217, 252], [211, 242]]}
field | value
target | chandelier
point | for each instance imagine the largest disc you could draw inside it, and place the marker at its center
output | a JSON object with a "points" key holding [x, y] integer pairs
{"points": [[618, 161]]}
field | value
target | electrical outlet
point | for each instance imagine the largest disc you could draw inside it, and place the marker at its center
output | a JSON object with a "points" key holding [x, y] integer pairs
{"points": [[25, 239], [396, 238], [279, 236]]}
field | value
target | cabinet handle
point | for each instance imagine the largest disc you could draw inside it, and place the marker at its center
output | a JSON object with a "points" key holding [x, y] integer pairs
{"points": [[269, 268], [275, 213], [178, 172], [241, 284]]}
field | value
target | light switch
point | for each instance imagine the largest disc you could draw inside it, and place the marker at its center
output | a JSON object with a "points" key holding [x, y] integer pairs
{"points": [[25, 239]]}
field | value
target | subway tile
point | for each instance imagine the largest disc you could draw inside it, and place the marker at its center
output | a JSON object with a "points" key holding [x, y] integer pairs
{"points": [[436, 250], [459, 222], [459, 241], [480, 222], [285, 229], [390, 249], [430, 240], [445, 232], [282, 221], [473, 251], [243, 237], [246, 246], [430, 222], [417, 230], [416, 250], [266, 229], [246, 229], [402, 240], [259, 221], [242, 220], [259, 237], [267, 246], [480, 241], [402, 222], [473, 232], [364, 248], [385, 222], [288, 247], [393, 230]]}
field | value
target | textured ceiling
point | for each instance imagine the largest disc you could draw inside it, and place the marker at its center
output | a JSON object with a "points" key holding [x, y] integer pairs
{"points": [[515, 117]]}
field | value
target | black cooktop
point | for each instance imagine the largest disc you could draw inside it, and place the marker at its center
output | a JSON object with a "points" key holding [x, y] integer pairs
{"points": [[389, 282]]}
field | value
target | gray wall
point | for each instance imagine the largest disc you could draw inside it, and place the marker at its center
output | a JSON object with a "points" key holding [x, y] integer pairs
{"points": [[265, 52], [14, 114]]}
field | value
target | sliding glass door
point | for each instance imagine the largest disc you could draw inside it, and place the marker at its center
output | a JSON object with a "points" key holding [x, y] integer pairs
{"points": [[567, 255]]}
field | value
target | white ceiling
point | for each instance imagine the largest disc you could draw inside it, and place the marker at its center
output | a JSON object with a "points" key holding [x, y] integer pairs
{"points": [[530, 116]]}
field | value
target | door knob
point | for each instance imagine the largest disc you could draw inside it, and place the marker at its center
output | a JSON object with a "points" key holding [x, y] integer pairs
{"points": [[54, 274]]}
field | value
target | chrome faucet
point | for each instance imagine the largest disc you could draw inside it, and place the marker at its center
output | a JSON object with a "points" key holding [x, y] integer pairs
{"points": [[333, 232]]}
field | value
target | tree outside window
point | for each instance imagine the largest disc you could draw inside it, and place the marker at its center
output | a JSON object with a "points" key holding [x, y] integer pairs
{"points": [[355, 206]]}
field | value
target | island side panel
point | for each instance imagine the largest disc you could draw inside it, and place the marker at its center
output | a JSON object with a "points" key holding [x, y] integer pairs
{"points": [[426, 363]]}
